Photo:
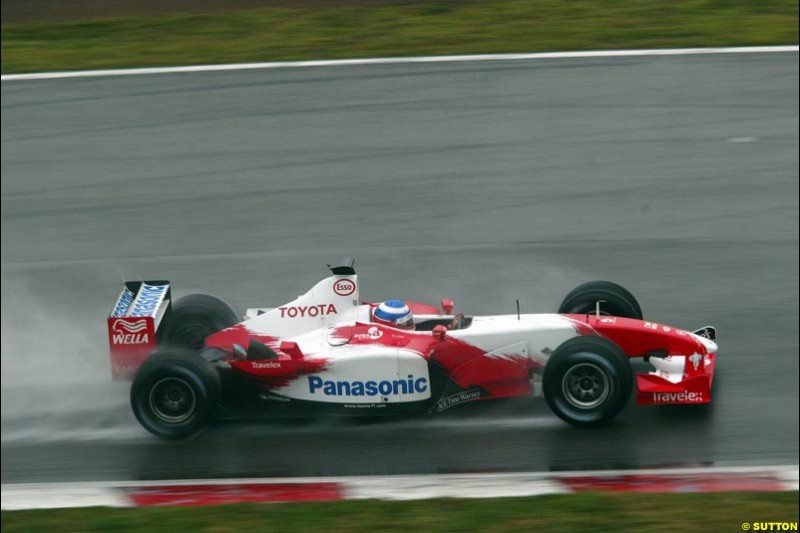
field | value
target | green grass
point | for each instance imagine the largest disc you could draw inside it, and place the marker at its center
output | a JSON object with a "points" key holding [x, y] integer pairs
{"points": [[594, 512], [395, 30]]}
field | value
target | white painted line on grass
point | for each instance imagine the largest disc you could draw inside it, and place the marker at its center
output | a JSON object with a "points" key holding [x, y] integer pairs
{"points": [[400, 60]]}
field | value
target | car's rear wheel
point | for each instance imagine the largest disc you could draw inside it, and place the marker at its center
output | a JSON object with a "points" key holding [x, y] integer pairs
{"points": [[587, 381], [175, 393], [614, 300], [193, 318]]}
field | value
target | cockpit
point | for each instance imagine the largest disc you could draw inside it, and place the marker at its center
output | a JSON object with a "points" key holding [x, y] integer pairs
{"points": [[451, 322]]}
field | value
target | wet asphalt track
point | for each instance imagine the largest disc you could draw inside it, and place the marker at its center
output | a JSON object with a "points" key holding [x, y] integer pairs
{"points": [[675, 176]]}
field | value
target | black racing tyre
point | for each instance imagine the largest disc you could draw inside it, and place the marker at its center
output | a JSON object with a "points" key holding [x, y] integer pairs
{"points": [[618, 301], [175, 394], [193, 318], [587, 381]]}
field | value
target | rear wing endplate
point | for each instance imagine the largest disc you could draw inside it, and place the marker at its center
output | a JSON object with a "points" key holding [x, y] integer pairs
{"points": [[133, 324]]}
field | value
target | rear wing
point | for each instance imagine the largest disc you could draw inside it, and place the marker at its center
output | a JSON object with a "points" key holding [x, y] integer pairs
{"points": [[133, 324]]}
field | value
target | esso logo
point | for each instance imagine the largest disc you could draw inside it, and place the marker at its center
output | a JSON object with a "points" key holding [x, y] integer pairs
{"points": [[344, 287]]}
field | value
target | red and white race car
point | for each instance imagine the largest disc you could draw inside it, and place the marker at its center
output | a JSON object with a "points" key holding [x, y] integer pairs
{"points": [[193, 359]]}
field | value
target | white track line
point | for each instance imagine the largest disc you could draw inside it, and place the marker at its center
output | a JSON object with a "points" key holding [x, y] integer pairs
{"points": [[400, 60], [112, 494], [510, 477], [59, 496]]}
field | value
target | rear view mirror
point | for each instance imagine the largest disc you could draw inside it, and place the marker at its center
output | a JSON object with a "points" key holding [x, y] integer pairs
{"points": [[447, 306], [440, 332]]}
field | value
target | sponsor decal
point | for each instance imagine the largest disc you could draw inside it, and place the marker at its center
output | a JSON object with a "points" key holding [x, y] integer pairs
{"points": [[608, 320], [130, 326], [148, 300], [125, 300], [372, 333], [260, 365], [129, 332], [364, 406], [410, 385], [656, 326], [455, 399], [344, 287], [678, 397], [695, 358], [302, 311]]}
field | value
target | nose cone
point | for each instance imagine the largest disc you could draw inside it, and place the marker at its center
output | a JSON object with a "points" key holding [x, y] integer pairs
{"points": [[711, 346]]}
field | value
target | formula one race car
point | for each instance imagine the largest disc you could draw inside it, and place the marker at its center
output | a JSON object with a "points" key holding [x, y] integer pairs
{"points": [[192, 360]]}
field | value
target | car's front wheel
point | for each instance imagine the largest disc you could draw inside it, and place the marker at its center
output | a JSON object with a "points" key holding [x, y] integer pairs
{"points": [[587, 381], [175, 394], [614, 300]]}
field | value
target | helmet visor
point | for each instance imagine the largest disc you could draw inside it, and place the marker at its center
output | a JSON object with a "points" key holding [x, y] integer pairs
{"points": [[405, 321]]}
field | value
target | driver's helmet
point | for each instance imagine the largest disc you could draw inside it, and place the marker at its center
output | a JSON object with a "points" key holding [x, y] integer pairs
{"points": [[394, 313]]}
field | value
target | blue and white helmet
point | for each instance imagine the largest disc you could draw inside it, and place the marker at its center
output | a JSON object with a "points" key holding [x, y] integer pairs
{"points": [[394, 313]]}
